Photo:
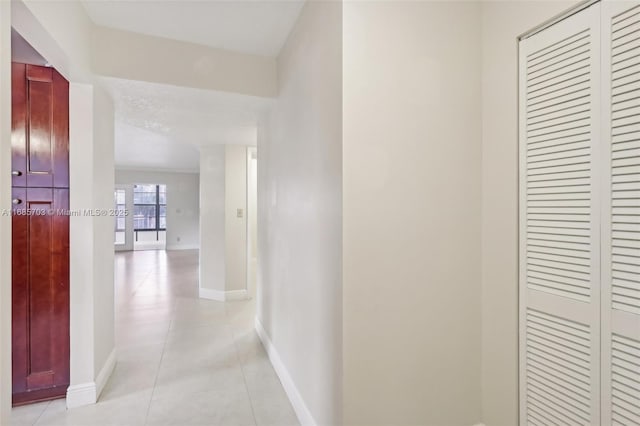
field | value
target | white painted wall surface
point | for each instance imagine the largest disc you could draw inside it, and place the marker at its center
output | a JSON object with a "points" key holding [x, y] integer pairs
{"points": [[252, 221], [212, 220], [412, 175], [183, 196], [235, 227], [103, 183], [299, 224], [81, 236], [161, 60], [5, 205], [502, 23], [91, 238]]}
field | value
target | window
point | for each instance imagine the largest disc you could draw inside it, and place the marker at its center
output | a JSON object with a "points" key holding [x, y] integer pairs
{"points": [[120, 222], [149, 207]]}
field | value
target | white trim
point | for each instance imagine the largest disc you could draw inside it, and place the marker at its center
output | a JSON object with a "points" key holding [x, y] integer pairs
{"points": [[105, 372], [211, 294], [149, 245], [182, 247], [558, 18], [221, 296], [236, 294], [80, 395], [299, 406]]}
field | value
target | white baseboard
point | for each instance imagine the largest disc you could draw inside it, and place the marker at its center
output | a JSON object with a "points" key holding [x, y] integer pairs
{"points": [[88, 393], [211, 294], [235, 295], [105, 372], [221, 296], [80, 395], [182, 247], [149, 245], [299, 406]]}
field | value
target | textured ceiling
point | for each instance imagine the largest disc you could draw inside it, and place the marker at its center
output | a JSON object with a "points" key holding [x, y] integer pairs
{"points": [[258, 27], [162, 127]]}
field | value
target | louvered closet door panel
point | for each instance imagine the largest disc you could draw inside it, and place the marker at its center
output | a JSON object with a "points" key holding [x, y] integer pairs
{"points": [[621, 213], [559, 223]]}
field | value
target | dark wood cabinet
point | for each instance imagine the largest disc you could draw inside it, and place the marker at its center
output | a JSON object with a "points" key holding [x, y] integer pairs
{"points": [[40, 127], [40, 234]]}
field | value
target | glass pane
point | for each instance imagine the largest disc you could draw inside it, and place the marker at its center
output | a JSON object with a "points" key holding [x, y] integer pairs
{"points": [[144, 188], [144, 217], [163, 217], [120, 237], [120, 196], [163, 198], [144, 197]]}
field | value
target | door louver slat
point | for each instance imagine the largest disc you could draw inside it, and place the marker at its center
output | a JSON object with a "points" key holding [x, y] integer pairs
{"points": [[625, 378], [559, 350], [625, 158]]}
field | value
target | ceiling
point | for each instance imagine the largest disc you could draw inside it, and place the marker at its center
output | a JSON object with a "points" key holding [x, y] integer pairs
{"points": [[163, 127], [251, 26]]}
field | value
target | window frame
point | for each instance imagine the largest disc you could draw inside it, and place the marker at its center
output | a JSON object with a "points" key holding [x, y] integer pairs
{"points": [[157, 205]]}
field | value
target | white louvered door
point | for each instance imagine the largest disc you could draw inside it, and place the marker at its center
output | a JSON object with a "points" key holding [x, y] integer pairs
{"points": [[560, 110], [621, 213]]}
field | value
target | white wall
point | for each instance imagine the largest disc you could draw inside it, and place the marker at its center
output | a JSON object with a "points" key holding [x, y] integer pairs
{"points": [[412, 175], [235, 195], [502, 23], [252, 221], [178, 63], [212, 222], [91, 242], [81, 233], [183, 208], [299, 224], [5, 205], [103, 183]]}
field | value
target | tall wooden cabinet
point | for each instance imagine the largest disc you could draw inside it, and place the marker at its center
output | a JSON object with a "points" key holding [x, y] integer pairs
{"points": [[40, 246]]}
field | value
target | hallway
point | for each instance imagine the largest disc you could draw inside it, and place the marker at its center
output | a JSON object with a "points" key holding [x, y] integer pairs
{"points": [[181, 360]]}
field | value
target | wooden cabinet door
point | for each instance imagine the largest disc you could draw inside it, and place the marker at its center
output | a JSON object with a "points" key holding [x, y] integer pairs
{"points": [[40, 286], [40, 127], [40, 240]]}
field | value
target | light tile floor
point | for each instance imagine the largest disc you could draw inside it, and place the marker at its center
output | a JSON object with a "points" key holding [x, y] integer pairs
{"points": [[181, 360]]}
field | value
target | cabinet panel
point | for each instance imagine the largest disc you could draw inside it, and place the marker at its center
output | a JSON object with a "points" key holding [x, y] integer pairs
{"points": [[40, 280], [40, 127]]}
